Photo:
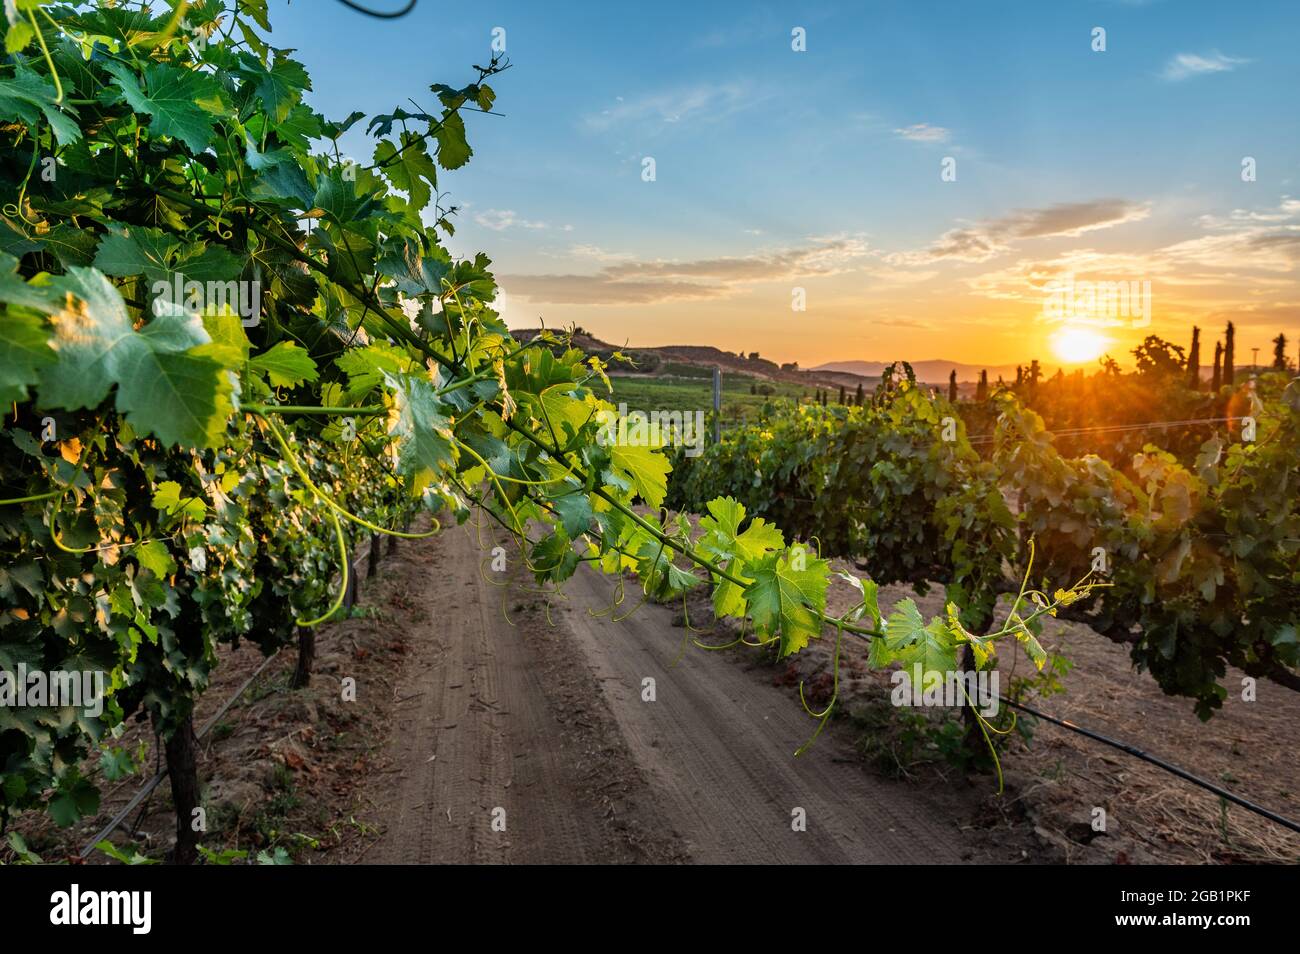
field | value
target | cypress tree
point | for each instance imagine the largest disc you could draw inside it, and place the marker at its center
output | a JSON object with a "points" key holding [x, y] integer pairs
{"points": [[1279, 353], [1194, 361], [1217, 379], [857, 398], [1229, 356], [982, 389], [952, 386], [841, 394]]}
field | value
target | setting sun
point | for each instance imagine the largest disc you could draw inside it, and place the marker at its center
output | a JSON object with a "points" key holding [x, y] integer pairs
{"points": [[1076, 345]]}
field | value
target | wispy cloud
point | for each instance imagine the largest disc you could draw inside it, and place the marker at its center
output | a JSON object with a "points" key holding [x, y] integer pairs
{"points": [[1186, 65], [633, 282], [923, 132], [711, 101], [1246, 250], [985, 240], [498, 220]]}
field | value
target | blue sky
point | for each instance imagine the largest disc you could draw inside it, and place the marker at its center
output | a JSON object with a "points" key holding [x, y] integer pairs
{"points": [[820, 169]]}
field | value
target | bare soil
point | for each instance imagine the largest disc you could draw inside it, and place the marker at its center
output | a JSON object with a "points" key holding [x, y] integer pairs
{"points": [[1060, 778]]}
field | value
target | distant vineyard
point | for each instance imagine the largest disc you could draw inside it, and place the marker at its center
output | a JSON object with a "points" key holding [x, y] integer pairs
{"points": [[1201, 562]]}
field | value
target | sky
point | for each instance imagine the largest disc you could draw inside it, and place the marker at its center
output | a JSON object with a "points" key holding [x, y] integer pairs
{"points": [[926, 179]]}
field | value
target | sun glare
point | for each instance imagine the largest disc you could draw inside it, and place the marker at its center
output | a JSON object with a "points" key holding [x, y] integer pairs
{"points": [[1075, 345]]}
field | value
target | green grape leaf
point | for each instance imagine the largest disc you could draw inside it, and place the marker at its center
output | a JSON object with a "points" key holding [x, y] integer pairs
{"points": [[936, 651], [24, 350], [644, 468], [868, 601], [180, 102], [281, 87], [453, 148], [423, 432], [912, 642], [167, 498], [787, 602], [553, 558], [74, 798], [286, 364], [575, 512], [116, 764], [409, 168], [661, 578], [723, 542], [904, 626], [135, 250], [170, 381], [27, 97], [154, 555]]}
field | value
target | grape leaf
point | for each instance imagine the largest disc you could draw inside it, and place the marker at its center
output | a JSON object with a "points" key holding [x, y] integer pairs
{"points": [[453, 148], [645, 468], [27, 97], [423, 432], [575, 513], [23, 352], [723, 542], [786, 601], [409, 168], [867, 600], [286, 364], [180, 102], [170, 381]]}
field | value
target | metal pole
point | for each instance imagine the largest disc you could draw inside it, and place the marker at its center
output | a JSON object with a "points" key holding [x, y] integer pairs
{"points": [[717, 405]]}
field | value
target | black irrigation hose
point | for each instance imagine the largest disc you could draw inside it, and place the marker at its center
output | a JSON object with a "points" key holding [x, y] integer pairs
{"points": [[1158, 763], [379, 14]]}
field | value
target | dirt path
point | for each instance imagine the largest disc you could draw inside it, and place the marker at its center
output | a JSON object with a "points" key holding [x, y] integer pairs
{"points": [[548, 723], [718, 746], [487, 766]]}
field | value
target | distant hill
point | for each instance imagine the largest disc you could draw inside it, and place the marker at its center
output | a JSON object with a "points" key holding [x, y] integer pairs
{"points": [[693, 360], [933, 371]]}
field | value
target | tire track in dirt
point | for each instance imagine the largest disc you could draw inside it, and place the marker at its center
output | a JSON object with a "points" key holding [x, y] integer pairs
{"points": [[484, 722], [544, 722], [718, 746]]}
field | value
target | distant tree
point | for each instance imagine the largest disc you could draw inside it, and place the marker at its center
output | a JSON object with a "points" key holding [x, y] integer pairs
{"points": [[1216, 379], [952, 386], [841, 394], [1194, 361], [1229, 355], [753, 356], [823, 398], [1020, 375], [1035, 372], [753, 388], [982, 389], [857, 398], [1159, 358], [1109, 367], [790, 366], [1279, 353]]}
